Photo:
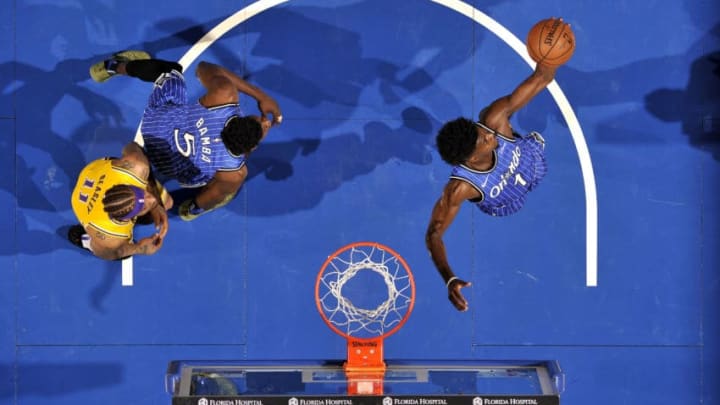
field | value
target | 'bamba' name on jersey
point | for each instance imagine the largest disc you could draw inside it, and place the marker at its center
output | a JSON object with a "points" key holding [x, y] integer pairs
{"points": [[205, 151]]}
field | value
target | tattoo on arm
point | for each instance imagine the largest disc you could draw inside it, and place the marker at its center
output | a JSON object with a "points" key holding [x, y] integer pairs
{"points": [[130, 249]]}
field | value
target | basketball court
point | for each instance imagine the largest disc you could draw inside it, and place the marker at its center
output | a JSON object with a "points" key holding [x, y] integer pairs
{"points": [[603, 289]]}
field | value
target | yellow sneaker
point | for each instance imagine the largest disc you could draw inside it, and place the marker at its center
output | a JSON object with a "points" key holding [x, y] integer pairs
{"points": [[184, 210], [105, 69], [188, 211]]}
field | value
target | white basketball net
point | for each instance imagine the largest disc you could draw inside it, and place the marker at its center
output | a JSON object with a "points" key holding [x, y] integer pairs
{"points": [[343, 314]]}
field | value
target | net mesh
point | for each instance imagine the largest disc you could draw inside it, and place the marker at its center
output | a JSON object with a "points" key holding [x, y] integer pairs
{"points": [[360, 322]]}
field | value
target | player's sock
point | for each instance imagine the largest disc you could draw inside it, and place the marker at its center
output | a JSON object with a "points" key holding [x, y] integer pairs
{"points": [[150, 70]]}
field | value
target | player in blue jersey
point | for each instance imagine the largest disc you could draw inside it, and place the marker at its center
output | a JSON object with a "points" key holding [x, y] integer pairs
{"points": [[202, 144], [493, 167]]}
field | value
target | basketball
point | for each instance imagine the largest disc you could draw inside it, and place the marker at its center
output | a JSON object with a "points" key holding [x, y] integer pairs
{"points": [[551, 42]]}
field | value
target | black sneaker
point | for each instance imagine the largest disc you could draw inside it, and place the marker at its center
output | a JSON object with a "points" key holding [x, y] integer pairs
{"points": [[75, 234]]}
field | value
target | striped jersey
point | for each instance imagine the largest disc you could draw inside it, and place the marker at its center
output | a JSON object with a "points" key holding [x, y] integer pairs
{"points": [[183, 140], [519, 165], [96, 178]]}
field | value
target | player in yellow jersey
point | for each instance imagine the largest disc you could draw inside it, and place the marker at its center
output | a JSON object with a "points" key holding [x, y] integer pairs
{"points": [[110, 196]]}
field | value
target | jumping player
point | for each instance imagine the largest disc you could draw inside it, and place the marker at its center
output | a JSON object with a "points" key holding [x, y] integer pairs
{"points": [[493, 167], [109, 198], [203, 144]]}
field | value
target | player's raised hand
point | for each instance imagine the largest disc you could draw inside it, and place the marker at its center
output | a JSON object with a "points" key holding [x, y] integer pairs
{"points": [[551, 42], [268, 105]]}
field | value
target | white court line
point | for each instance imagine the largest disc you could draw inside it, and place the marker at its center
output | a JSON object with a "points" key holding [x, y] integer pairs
{"points": [[591, 214], [511, 40], [127, 272]]}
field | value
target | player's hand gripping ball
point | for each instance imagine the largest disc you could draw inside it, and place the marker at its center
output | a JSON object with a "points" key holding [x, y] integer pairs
{"points": [[551, 42]]}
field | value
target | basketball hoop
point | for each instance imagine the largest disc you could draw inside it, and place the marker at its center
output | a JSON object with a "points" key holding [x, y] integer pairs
{"points": [[365, 292]]}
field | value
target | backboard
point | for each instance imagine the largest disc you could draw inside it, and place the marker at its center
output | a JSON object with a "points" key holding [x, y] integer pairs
{"points": [[405, 382]]}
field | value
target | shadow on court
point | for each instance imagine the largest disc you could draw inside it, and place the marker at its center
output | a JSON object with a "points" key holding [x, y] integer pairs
{"points": [[53, 379]]}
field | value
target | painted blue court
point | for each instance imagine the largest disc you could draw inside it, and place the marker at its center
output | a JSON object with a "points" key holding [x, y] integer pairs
{"points": [[630, 202]]}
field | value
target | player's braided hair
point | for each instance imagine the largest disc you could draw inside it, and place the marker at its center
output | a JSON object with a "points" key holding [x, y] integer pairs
{"points": [[241, 135], [456, 140], [119, 200]]}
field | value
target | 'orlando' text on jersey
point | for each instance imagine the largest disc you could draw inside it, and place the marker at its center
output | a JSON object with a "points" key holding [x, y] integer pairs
{"points": [[519, 165]]}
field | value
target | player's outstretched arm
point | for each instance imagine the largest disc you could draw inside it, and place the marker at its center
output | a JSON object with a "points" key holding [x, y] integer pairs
{"points": [[502, 108], [112, 248], [223, 86], [497, 115], [443, 214]]}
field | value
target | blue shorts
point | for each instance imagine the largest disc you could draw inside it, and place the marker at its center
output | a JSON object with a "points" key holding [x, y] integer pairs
{"points": [[169, 89]]}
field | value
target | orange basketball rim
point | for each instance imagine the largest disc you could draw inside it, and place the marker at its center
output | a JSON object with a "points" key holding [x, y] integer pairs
{"points": [[365, 328]]}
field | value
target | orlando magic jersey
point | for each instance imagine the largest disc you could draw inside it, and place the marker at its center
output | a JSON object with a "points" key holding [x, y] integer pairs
{"points": [[519, 166], [183, 140]]}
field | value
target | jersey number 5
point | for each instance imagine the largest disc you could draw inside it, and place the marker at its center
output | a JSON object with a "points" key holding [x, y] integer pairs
{"points": [[189, 143]]}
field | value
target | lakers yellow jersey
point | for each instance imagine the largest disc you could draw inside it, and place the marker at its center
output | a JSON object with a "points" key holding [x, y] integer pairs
{"points": [[97, 177]]}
